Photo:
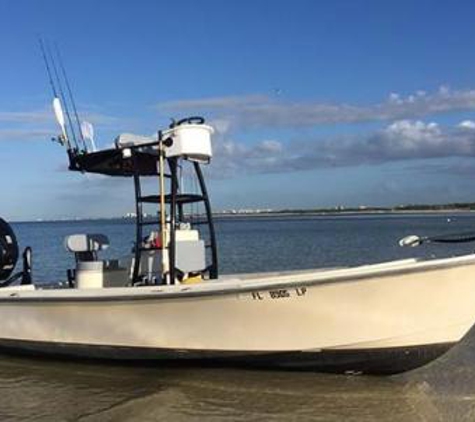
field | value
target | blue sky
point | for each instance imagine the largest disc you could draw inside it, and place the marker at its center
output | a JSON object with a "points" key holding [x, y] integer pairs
{"points": [[315, 103]]}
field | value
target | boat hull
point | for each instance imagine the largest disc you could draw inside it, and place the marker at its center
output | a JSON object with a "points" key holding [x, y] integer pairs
{"points": [[386, 361], [383, 319]]}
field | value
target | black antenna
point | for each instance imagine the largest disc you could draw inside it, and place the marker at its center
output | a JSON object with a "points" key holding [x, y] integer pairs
{"points": [[62, 96], [70, 94]]}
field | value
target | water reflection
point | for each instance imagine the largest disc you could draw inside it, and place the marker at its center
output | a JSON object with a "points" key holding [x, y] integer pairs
{"points": [[33, 389]]}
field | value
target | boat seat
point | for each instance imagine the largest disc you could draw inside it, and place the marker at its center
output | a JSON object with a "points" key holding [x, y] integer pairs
{"points": [[86, 246], [125, 140]]}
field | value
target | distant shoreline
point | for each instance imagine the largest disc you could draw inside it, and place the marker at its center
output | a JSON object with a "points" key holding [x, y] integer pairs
{"points": [[370, 211], [346, 212]]}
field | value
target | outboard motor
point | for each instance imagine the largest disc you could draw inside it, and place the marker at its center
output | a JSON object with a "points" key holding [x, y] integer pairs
{"points": [[8, 250]]}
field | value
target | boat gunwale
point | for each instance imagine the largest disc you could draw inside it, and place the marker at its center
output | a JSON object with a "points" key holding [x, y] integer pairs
{"points": [[235, 285]]}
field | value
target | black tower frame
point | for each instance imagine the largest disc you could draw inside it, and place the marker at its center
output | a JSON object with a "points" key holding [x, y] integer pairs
{"points": [[139, 161]]}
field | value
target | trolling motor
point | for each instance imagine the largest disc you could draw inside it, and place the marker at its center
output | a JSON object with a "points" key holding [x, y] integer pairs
{"points": [[9, 253]]}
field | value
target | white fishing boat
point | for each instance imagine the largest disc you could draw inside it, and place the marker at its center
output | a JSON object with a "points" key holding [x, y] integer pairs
{"points": [[168, 302]]}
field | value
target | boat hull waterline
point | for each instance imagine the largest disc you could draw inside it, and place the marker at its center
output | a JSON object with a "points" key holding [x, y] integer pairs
{"points": [[378, 319]]}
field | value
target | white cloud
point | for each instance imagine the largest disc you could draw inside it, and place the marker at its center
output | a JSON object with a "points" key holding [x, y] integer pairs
{"points": [[266, 111], [402, 140], [24, 134], [40, 124], [394, 98], [467, 124], [271, 146], [405, 138], [407, 135], [36, 116]]}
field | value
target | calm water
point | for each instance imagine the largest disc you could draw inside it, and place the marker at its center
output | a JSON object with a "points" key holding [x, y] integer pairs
{"points": [[36, 389]]}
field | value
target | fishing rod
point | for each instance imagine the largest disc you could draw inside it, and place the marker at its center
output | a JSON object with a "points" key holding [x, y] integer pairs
{"points": [[70, 93], [414, 240], [48, 70], [58, 110], [61, 94]]}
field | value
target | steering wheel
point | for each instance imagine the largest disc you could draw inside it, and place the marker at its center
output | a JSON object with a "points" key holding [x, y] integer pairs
{"points": [[193, 120]]}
